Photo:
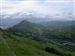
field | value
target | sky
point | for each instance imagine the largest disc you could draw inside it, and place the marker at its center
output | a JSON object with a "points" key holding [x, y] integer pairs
{"points": [[51, 8]]}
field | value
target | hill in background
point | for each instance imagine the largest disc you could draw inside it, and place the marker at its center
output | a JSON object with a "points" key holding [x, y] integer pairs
{"points": [[30, 39]]}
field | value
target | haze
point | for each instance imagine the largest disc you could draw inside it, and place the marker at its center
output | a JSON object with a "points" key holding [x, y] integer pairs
{"points": [[52, 8]]}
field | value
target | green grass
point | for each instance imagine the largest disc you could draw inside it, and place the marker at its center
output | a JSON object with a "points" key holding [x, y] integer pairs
{"points": [[25, 46]]}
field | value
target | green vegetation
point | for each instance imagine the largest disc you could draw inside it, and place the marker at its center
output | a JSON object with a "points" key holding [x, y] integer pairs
{"points": [[22, 47], [29, 39]]}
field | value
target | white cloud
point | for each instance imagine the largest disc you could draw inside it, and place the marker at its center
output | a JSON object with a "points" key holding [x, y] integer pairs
{"points": [[50, 7]]}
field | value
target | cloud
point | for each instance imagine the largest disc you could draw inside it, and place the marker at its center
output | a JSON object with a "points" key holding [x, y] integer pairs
{"points": [[23, 5], [44, 7]]}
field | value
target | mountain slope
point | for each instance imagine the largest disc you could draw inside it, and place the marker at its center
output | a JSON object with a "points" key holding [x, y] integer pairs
{"points": [[62, 37], [59, 31], [25, 26], [20, 40], [20, 45], [14, 45], [29, 29]]}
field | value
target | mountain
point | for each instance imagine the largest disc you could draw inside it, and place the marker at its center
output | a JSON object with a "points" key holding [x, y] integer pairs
{"points": [[32, 39], [10, 20], [58, 22], [26, 26], [59, 32]]}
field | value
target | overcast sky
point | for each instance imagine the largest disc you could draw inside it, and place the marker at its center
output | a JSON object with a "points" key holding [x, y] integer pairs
{"points": [[52, 8]]}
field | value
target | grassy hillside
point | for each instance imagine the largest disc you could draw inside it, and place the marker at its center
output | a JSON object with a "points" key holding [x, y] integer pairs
{"points": [[29, 39], [19, 45], [14, 45]]}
